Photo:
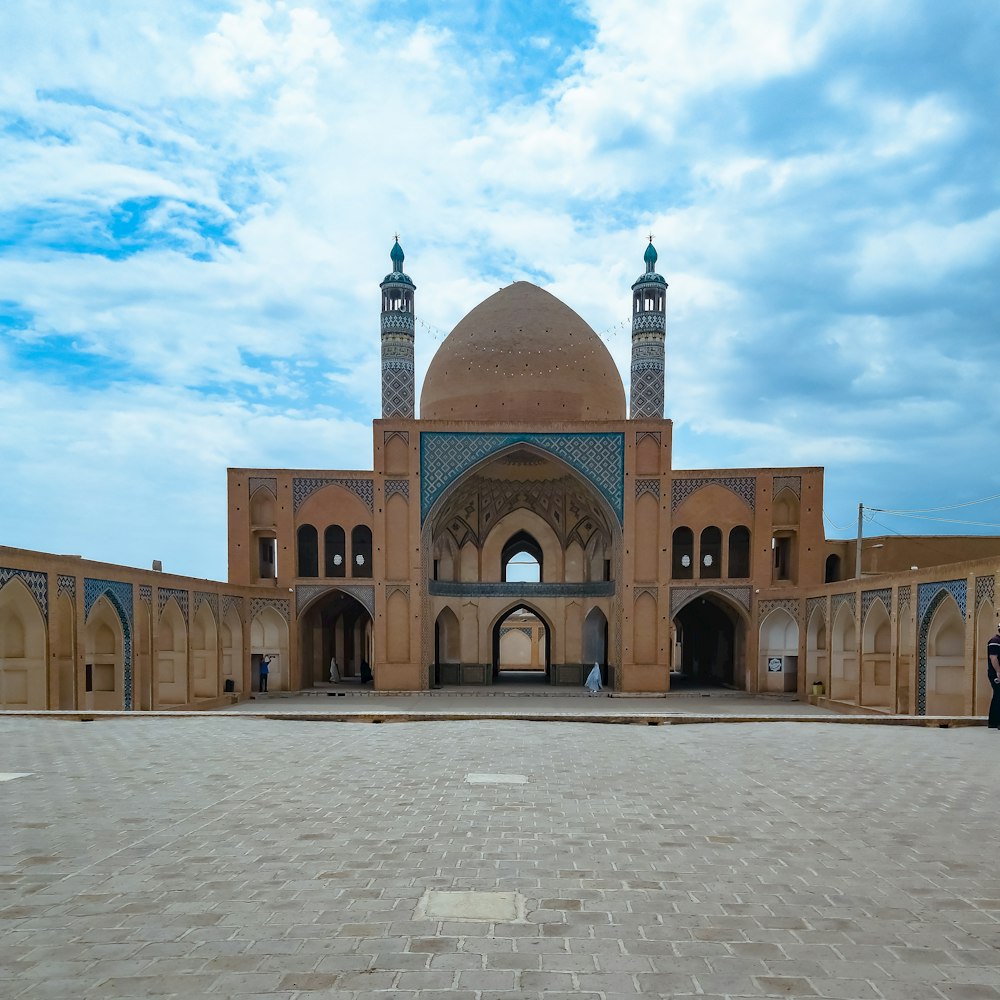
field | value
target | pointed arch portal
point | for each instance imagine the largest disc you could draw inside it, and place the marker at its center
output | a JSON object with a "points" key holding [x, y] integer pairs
{"points": [[522, 647]]}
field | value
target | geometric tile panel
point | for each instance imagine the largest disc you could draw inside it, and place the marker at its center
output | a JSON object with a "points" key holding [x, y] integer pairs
{"points": [[745, 487], [304, 593], [647, 486], [119, 596], [446, 455], [363, 489], [257, 604], [37, 583], [869, 597], [66, 585], [929, 596], [145, 593], [904, 598], [180, 596]]}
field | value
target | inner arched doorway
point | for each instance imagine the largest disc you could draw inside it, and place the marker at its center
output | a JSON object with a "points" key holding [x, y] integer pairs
{"points": [[709, 645], [522, 647], [335, 626]]}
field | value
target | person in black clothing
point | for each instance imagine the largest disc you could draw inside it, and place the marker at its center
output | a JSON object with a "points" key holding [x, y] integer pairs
{"points": [[366, 672], [993, 672]]}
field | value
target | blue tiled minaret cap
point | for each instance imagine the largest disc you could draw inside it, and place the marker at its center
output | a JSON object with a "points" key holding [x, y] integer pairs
{"points": [[650, 276], [396, 275]]}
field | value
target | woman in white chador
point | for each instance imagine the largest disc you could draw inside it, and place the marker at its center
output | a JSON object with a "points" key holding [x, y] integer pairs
{"points": [[334, 672], [593, 684]]}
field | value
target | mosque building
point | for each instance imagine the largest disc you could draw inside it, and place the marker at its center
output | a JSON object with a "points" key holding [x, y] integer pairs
{"points": [[528, 524]]}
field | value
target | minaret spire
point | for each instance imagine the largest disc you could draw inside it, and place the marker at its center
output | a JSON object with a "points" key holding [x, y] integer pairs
{"points": [[649, 334], [397, 338]]}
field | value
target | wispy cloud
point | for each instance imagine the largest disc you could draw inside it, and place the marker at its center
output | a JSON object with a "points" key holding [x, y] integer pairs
{"points": [[197, 200]]}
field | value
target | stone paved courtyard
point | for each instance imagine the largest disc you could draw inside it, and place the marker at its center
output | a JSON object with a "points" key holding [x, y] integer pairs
{"points": [[239, 857]]}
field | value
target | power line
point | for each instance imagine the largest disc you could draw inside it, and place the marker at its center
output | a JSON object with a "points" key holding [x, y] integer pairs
{"points": [[941, 520], [933, 510]]}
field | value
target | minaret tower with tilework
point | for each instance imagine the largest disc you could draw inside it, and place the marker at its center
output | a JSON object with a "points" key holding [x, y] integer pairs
{"points": [[397, 339], [649, 334]]}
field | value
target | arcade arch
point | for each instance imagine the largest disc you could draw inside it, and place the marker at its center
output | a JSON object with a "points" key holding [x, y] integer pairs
{"points": [[269, 637], [104, 654], [22, 649], [709, 643], [336, 625]]}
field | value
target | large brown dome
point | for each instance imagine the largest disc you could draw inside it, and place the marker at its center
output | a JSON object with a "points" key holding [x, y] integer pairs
{"points": [[522, 355]]}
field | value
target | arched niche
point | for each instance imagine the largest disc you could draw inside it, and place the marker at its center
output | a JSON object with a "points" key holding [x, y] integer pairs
{"points": [[204, 653], [397, 530], [986, 618], [447, 639], [398, 639], [647, 522], [446, 558], [397, 457], [844, 657], [575, 560], [527, 569], [817, 651], [779, 651], [647, 457], [527, 523], [22, 649], [64, 650], [876, 658], [785, 512], [104, 657], [946, 670], [644, 629], [231, 641], [269, 637], [682, 553], [171, 657], [595, 639], [738, 565], [262, 508]]}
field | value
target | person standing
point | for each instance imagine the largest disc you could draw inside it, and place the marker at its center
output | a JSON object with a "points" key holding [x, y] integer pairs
{"points": [[334, 670], [993, 672], [593, 682], [264, 671]]}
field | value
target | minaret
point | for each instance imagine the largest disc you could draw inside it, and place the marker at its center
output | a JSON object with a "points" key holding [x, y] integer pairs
{"points": [[397, 339], [649, 334]]}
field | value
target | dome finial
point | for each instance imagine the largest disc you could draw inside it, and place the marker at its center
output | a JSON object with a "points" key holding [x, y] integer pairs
{"points": [[396, 255], [650, 256]]}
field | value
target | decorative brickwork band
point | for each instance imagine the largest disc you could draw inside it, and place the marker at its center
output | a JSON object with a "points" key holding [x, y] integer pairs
{"points": [[66, 585], [400, 486], [984, 589], [647, 380], [647, 486], [403, 436], [37, 584], [793, 483], [146, 594], [745, 487], [229, 602], [258, 604], [269, 484], [815, 604], [838, 600], [180, 596], [212, 600], [869, 597], [793, 607], [363, 593], [363, 489], [682, 596], [904, 598]]}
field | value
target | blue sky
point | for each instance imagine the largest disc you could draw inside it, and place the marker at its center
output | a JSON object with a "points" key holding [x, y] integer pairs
{"points": [[197, 200]]}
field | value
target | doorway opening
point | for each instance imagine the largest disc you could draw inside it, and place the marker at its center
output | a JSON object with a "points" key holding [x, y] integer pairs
{"points": [[522, 646], [338, 627], [708, 646]]}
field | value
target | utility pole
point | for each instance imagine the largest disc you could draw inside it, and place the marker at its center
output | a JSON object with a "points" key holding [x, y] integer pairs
{"points": [[857, 554]]}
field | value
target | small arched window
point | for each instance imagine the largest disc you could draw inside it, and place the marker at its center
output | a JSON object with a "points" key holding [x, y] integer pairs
{"points": [[683, 554], [334, 551], [710, 554], [527, 569], [739, 552], [832, 569], [361, 551], [308, 549]]}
